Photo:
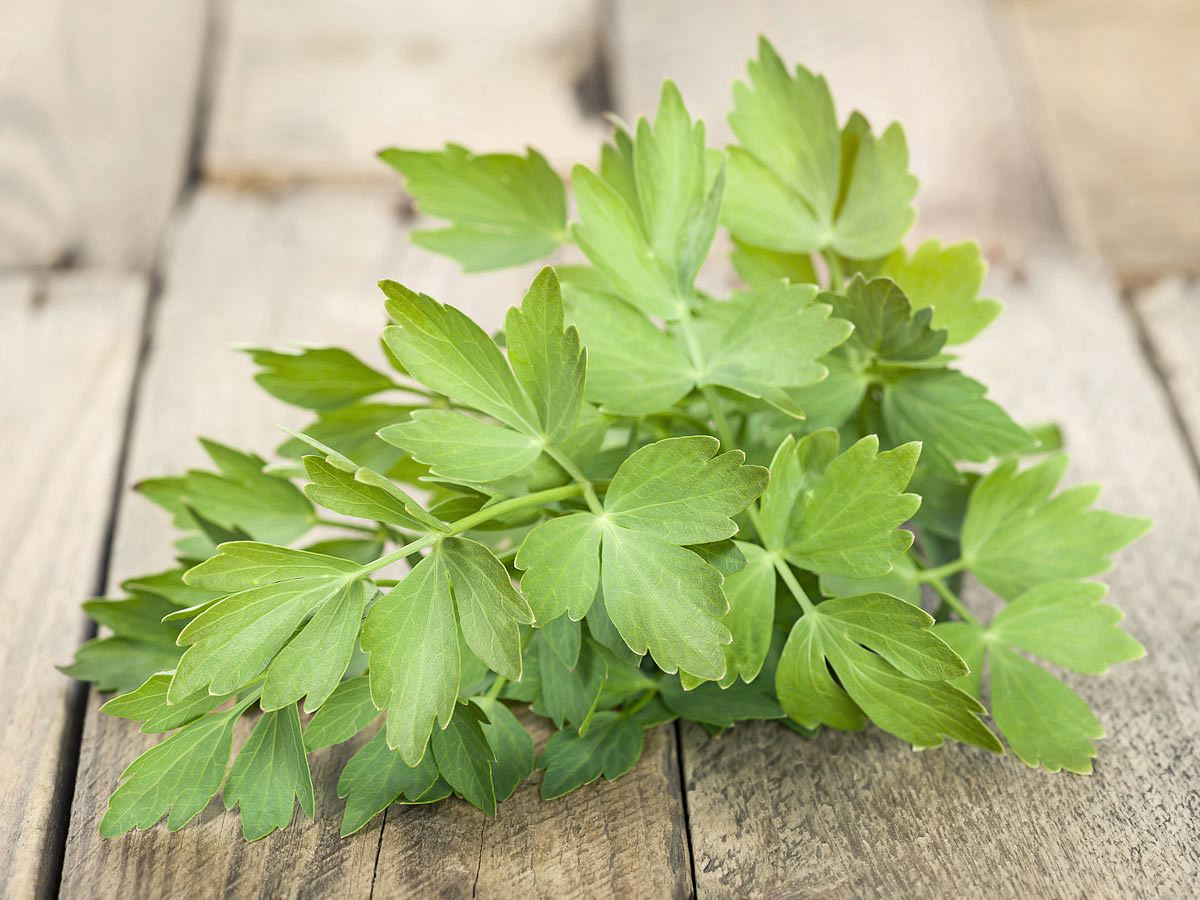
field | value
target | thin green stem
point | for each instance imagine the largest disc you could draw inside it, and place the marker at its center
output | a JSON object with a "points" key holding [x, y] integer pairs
{"points": [[386, 582], [938, 572], [568, 465], [835, 269], [952, 599], [466, 523], [725, 433], [496, 687], [789, 578], [641, 701]]}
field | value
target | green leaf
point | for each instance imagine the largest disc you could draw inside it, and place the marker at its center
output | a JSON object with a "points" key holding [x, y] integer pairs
{"points": [[376, 777], [270, 774], [949, 411], [506, 209], [176, 778], [885, 326], [611, 747], [762, 268], [569, 693], [560, 560], [139, 618], [839, 515], [245, 564], [751, 596], [120, 664], [458, 446], [353, 431], [877, 191], [317, 377], [464, 758], [1017, 536], [451, 354], [714, 705], [411, 638], [546, 357], [147, 704], [510, 744], [489, 608], [681, 490], [948, 279], [901, 581], [348, 711], [170, 586], [359, 492]]}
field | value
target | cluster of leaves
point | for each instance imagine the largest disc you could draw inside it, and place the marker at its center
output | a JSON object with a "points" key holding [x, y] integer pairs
{"points": [[652, 504]]}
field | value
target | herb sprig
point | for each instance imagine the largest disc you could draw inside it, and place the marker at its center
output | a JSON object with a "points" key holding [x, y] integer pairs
{"points": [[652, 504]]}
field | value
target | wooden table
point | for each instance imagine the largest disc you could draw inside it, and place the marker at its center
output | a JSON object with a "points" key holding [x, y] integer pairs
{"points": [[175, 178]]}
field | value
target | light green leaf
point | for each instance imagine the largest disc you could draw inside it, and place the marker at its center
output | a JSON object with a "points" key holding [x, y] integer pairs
{"points": [[270, 774], [489, 608], [762, 268], [376, 777], [949, 411], [358, 492], [353, 431], [900, 582], [751, 596], [411, 638], [948, 279], [147, 703], [682, 491], [139, 617], [506, 209], [458, 446], [348, 711], [611, 747], [448, 352], [317, 377], [511, 746], [464, 758], [876, 210], [1017, 536], [246, 564], [560, 560], [120, 664], [176, 778], [547, 358]]}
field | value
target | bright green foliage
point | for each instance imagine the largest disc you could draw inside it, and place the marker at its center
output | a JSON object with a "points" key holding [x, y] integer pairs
{"points": [[506, 209], [1064, 623], [608, 452]]}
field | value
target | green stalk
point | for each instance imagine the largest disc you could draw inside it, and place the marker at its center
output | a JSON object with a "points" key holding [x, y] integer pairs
{"points": [[952, 600], [789, 578], [943, 571]]}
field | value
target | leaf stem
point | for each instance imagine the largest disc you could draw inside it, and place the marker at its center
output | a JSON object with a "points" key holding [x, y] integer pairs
{"points": [[835, 269], [725, 433], [496, 687], [938, 572], [641, 701], [466, 523], [568, 465], [789, 578], [952, 600]]}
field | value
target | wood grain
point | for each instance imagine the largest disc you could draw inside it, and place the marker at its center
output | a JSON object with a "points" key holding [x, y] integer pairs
{"points": [[312, 90], [1170, 314], [70, 347], [935, 65], [862, 815], [1118, 90], [97, 102]]}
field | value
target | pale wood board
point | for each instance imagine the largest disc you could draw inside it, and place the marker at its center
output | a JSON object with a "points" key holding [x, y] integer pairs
{"points": [[850, 815], [70, 345], [1119, 90], [937, 66], [312, 90], [1170, 314], [301, 266], [97, 102]]}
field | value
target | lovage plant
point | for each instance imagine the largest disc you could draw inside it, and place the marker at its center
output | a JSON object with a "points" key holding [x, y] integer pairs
{"points": [[642, 503]]}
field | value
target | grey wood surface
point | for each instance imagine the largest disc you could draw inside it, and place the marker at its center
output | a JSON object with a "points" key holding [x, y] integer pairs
{"points": [[1170, 313], [68, 348]]}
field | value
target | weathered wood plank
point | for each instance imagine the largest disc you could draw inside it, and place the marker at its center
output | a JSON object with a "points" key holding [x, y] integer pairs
{"points": [[298, 267], [966, 125], [854, 815], [311, 90], [97, 102], [1170, 313], [70, 348], [1118, 90]]}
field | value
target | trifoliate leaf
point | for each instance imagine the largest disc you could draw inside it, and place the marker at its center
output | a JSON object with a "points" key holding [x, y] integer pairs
{"points": [[347, 712], [176, 778], [411, 638], [681, 490], [489, 608], [949, 411], [147, 703], [376, 777], [948, 279], [464, 758], [458, 446], [889, 665], [885, 326], [506, 209], [797, 185], [714, 705], [561, 568], [839, 515], [611, 747], [451, 354], [633, 368], [270, 775], [762, 268], [751, 596], [1017, 536], [511, 746], [317, 377], [546, 357]]}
